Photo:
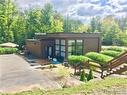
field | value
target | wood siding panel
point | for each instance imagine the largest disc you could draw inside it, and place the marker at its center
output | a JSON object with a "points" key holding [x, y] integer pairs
{"points": [[91, 45], [34, 47]]}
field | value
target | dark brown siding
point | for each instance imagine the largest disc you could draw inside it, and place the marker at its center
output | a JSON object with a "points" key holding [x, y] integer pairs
{"points": [[34, 47], [91, 45], [38, 47]]}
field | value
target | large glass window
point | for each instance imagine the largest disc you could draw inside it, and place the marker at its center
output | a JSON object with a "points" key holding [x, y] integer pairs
{"points": [[57, 42], [57, 47], [62, 42], [60, 47], [75, 47]]}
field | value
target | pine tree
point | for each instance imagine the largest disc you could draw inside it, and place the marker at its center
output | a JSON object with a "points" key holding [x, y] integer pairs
{"points": [[90, 76], [82, 76]]}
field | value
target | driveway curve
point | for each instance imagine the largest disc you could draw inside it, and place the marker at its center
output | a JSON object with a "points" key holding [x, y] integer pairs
{"points": [[17, 75]]}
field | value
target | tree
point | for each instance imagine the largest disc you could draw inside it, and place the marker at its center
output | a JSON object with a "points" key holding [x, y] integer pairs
{"points": [[71, 25], [110, 30], [90, 75], [33, 22], [82, 28], [95, 25], [122, 22], [48, 19], [58, 26], [83, 76], [122, 38], [19, 30], [8, 13]]}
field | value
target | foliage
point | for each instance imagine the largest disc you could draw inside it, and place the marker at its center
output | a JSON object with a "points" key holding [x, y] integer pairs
{"points": [[99, 58], [115, 48], [8, 50], [73, 59], [121, 38], [113, 30], [110, 53], [83, 76], [71, 25], [7, 16], [82, 28], [19, 30], [122, 22], [16, 26], [90, 75], [95, 25], [110, 30]]}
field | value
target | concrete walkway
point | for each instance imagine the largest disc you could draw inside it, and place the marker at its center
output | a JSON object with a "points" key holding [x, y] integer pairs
{"points": [[17, 75]]}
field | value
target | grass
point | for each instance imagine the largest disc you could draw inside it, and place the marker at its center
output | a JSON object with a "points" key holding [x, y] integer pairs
{"points": [[62, 71], [83, 89]]}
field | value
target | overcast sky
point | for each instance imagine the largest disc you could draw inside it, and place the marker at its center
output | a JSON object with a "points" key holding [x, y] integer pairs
{"points": [[81, 9]]}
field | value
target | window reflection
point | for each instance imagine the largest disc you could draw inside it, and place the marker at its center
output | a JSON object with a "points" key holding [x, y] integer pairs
{"points": [[62, 42], [75, 47], [60, 47]]}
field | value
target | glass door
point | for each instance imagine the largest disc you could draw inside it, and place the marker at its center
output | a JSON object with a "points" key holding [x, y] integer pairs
{"points": [[49, 51]]}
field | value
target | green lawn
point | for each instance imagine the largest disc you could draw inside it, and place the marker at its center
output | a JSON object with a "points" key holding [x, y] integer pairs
{"points": [[84, 89]]}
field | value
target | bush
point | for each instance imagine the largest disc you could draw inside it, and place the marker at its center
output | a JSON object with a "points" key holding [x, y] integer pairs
{"points": [[99, 58], [73, 59], [110, 53], [76, 61], [8, 50], [83, 76], [115, 48], [90, 75]]}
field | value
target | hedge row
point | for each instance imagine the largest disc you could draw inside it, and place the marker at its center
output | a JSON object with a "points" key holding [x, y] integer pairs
{"points": [[115, 48], [110, 53], [99, 58], [8, 50], [73, 59]]}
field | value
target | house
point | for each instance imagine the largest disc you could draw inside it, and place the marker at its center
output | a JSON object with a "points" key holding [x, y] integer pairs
{"points": [[64, 44]]}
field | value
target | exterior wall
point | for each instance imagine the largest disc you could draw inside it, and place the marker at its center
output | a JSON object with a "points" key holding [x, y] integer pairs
{"points": [[46, 43], [92, 45], [34, 47]]}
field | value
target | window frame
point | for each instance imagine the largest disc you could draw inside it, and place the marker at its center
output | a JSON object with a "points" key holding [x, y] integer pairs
{"points": [[75, 50], [60, 45]]}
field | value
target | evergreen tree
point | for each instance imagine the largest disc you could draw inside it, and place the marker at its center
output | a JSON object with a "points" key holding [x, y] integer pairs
{"points": [[71, 25], [90, 75], [7, 16], [82, 76]]}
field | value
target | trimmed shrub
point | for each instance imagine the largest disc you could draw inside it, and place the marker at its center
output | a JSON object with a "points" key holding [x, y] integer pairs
{"points": [[115, 48], [99, 58], [73, 59], [8, 50], [90, 75], [83, 76], [110, 53]]}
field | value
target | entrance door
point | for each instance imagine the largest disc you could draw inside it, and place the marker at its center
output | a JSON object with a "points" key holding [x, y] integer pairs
{"points": [[49, 51]]}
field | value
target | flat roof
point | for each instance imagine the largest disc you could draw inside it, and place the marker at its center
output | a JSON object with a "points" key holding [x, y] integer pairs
{"points": [[65, 35], [32, 40]]}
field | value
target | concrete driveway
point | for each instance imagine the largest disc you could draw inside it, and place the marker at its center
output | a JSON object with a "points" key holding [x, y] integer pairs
{"points": [[17, 75]]}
